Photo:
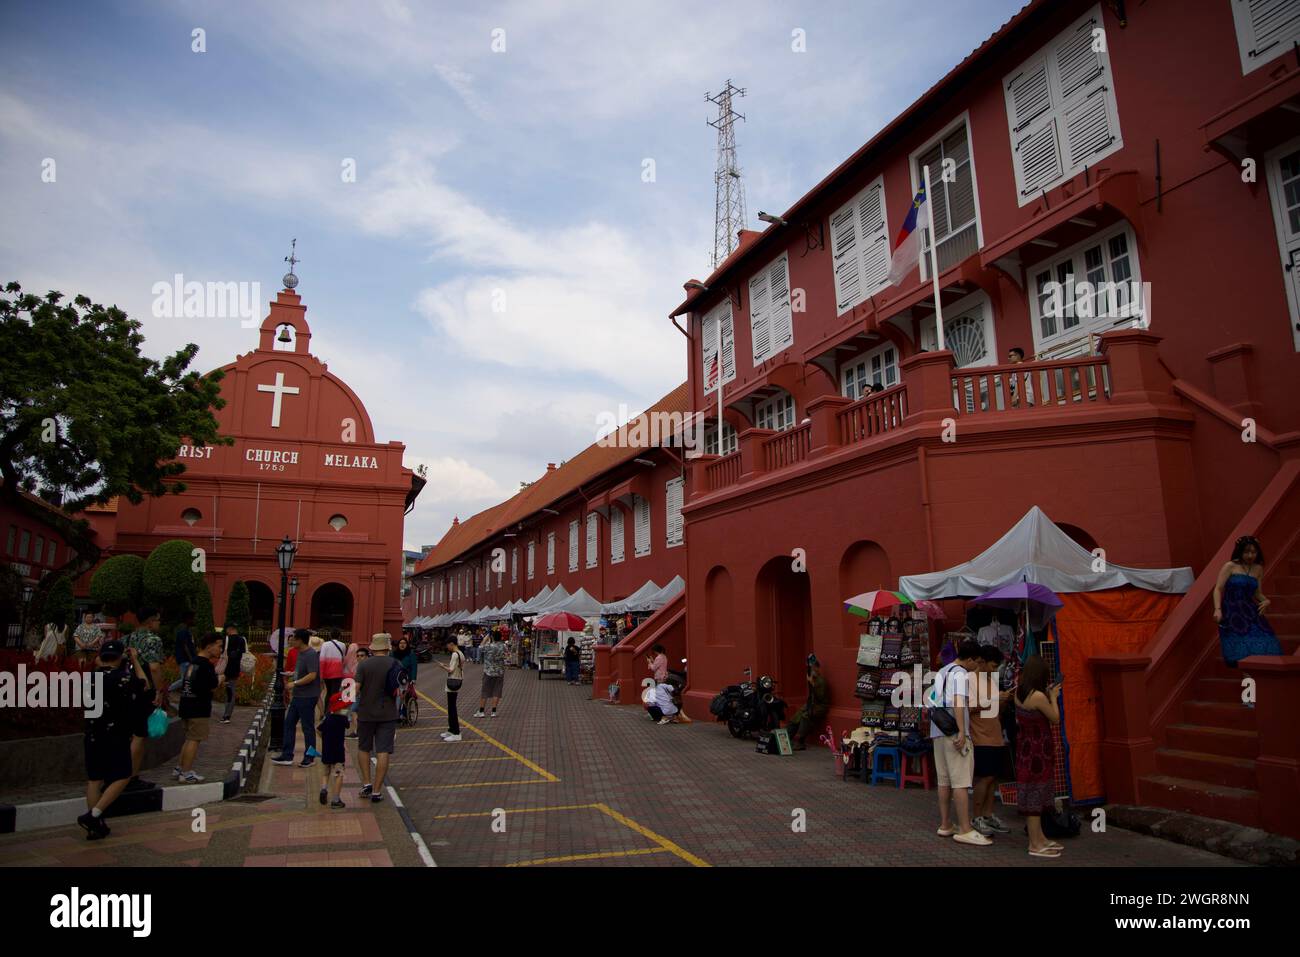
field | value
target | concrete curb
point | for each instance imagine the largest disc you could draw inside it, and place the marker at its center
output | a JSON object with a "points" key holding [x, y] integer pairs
{"points": [[30, 817], [1248, 844]]}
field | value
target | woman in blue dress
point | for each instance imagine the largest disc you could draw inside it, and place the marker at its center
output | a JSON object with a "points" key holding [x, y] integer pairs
{"points": [[1239, 605]]}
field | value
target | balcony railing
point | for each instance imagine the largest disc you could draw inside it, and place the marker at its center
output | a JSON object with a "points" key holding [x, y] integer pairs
{"points": [[1028, 386], [723, 472], [787, 448], [872, 415]]}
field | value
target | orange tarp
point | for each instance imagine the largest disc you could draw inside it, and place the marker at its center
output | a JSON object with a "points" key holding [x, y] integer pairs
{"points": [[1092, 624]]}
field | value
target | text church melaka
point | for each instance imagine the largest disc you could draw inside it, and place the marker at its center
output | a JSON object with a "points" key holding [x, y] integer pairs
{"points": [[304, 463]]}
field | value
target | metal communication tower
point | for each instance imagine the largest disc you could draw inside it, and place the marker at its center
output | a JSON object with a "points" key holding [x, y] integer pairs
{"points": [[729, 191]]}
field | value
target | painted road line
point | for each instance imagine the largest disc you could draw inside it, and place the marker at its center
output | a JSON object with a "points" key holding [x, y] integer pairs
{"points": [[531, 765], [475, 784], [599, 855], [420, 846], [421, 764], [521, 810], [651, 835]]}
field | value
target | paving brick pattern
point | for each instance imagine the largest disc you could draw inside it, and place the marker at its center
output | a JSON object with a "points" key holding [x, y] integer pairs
{"points": [[582, 782]]}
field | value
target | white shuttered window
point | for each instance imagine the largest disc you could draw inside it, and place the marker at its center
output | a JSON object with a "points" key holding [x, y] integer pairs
{"points": [[674, 492], [615, 534], [532, 559], [860, 247], [593, 540], [1266, 29], [720, 314], [573, 545], [514, 565], [550, 554], [770, 321], [1061, 109], [641, 530]]}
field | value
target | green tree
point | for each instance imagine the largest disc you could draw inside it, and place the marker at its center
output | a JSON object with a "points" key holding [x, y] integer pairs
{"points": [[203, 610], [171, 583], [238, 607], [85, 417], [59, 606], [118, 584]]}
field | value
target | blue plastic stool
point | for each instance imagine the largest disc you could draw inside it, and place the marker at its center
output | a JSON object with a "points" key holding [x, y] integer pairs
{"points": [[879, 772]]}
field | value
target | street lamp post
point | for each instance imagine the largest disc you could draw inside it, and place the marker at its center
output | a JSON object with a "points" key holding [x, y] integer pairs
{"points": [[293, 601], [284, 553], [28, 591]]}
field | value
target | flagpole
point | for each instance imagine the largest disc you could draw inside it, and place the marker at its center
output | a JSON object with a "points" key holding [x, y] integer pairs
{"points": [[934, 262], [720, 445]]}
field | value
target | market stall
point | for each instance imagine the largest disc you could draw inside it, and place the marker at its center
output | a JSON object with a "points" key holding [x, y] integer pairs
{"points": [[548, 646]]}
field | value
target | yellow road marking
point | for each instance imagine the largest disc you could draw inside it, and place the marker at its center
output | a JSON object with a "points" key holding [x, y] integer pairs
{"points": [[475, 784], [448, 761], [662, 841], [640, 852], [522, 810], [532, 766]]}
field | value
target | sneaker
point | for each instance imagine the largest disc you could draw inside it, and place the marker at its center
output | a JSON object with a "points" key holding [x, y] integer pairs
{"points": [[176, 773], [304, 763], [337, 804], [189, 777], [997, 826], [479, 713], [225, 721], [494, 713], [95, 828], [282, 759], [444, 734], [324, 796], [366, 789], [983, 826], [972, 837], [665, 721], [376, 798], [451, 737]]}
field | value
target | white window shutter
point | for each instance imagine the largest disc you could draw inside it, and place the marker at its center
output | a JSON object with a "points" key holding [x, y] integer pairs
{"points": [[845, 258], [874, 233], [1265, 29], [1035, 142], [728, 344], [708, 347], [514, 565], [860, 247], [593, 540], [615, 534], [760, 318], [1089, 123], [641, 533], [780, 319], [673, 494], [532, 559], [550, 553], [573, 545]]}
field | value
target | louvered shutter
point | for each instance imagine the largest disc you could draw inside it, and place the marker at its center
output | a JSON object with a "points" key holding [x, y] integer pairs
{"points": [[1265, 29], [641, 533], [709, 348], [781, 319], [532, 559], [709, 345], [1035, 142], [760, 318], [550, 554], [728, 344], [615, 534], [573, 545], [874, 233], [593, 556], [514, 565], [1083, 79], [673, 494]]}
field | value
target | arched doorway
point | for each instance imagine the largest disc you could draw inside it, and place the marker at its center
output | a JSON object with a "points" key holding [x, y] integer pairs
{"points": [[1078, 535], [261, 606], [864, 567], [783, 626], [331, 607], [719, 608]]}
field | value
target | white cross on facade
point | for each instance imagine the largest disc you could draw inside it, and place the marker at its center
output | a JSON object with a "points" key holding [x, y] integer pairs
{"points": [[280, 389]]}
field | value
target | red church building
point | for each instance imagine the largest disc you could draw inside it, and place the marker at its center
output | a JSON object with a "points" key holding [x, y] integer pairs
{"points": [[1143, 162], [305, 464]]}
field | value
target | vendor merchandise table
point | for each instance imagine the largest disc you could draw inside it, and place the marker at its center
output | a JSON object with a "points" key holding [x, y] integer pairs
{"points": [[547, 663]]}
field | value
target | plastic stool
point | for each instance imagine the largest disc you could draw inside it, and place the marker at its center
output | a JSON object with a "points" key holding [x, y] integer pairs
{"points": [[879, 772], [924, 775]]}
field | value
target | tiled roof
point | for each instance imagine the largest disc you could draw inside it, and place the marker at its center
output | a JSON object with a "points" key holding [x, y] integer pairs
{"points": [[589, 464]]}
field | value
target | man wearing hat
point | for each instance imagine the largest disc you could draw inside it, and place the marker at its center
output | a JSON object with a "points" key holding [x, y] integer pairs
{"points": [[304, 690], [108, 735], [377, 684]]}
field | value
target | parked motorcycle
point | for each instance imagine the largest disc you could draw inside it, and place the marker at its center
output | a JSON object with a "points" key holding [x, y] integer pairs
{"points": [[749, 707]]}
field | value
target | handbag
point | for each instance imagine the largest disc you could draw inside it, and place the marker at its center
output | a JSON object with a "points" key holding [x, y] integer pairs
{"points": [[157, 723], [247, 661], [453, 684]]}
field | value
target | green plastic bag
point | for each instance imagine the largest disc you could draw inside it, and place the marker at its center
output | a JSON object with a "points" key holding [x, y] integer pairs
{"points": [[158, 723]]}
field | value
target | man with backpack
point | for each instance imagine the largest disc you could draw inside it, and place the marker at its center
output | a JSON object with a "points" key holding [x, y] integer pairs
{"points": [[108, 736], [236, 648], [379, 679]]}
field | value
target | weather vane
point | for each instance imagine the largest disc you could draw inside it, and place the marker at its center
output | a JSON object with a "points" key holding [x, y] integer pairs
{"points": [[291, 280]]}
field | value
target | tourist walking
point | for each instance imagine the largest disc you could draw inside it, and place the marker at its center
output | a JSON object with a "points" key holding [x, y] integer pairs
{"points": [[148, 646], [572, 661], [185, 651], [377, 687], [108, 735], [493, 654], [332, 654], [201, 680], [333, 728], [236, 648], [1037, 709], [304, 689], [954, 757], [455, 668], [1239, 605]]}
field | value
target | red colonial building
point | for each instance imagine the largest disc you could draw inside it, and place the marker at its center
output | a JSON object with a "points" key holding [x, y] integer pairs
{"points": [[305, 463], [1146, 158], [607, 521]]}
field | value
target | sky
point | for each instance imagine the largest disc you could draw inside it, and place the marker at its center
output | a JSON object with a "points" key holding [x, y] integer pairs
{"points": [[498, 273]]}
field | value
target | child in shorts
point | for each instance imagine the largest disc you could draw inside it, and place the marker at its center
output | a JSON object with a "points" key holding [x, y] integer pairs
{"points": [[333, 728]]}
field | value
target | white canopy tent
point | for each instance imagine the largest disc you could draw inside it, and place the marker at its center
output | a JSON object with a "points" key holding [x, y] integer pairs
{"points": [[664, 595], [532, 604], [541, 607], [580, 603], [1036, 550], [633, 602]]}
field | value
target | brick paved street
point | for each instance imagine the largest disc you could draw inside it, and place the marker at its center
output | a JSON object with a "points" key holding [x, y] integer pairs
{"points": [[584, 782]]}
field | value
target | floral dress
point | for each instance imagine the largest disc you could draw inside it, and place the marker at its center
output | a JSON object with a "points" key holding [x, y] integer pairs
{"points": [[1035, 762]]}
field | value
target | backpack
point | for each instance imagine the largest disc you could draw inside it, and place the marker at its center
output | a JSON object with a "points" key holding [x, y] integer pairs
{"points": [[1062, 823]]}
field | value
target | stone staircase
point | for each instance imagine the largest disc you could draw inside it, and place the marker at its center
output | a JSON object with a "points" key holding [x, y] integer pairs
{"points": [[1207, 763]]}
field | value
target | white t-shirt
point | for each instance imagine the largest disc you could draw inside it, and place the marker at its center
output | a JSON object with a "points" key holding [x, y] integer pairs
{"points": [[949, 682], [331, 659], [664, 699]]}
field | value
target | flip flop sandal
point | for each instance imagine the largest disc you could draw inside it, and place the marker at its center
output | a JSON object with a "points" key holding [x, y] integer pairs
{"points": [[1053, 844], [1046, 852], [946, 831]]}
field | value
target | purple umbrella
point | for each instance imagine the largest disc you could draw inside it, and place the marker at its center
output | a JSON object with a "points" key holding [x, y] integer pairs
{"points": [[1024, 595]]}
